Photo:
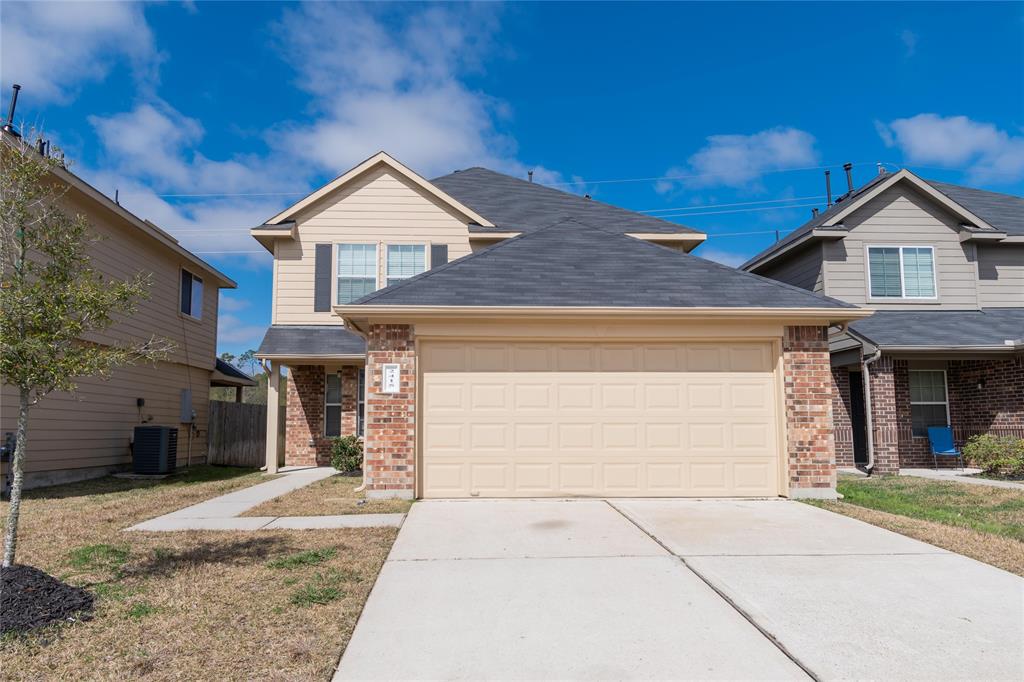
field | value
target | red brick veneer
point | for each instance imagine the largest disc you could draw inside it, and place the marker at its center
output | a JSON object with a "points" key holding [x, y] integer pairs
{"points": [[841, 421], [390, 439], [305, 444], [808, 392]]}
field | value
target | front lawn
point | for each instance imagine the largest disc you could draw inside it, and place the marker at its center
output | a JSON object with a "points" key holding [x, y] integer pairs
{"points": [[982, 522], [331, 496], [188, 605]]}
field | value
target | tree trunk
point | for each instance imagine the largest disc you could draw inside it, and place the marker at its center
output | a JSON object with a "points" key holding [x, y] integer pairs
{"points": [[18, 467]]}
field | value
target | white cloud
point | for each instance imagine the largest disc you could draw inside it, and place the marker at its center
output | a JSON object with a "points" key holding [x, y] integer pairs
{"points": [[909, 40], [719, 256], [392, 82], [233, 331], [51, 48], [985, 152], [231, 304], [741, 160]]}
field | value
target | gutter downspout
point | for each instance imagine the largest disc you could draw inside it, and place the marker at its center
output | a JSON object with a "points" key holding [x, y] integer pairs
{"points": [[868, 425]]}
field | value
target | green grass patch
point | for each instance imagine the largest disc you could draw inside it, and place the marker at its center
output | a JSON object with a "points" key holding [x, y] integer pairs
{"points": [[99, 557], [308, 558], [997, 511], [316, 592], [113, 591], [141, 610]]}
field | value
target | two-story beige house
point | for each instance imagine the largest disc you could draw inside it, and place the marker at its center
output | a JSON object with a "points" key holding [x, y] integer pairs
{"points": [[88, 433], [488, 336], [943, 267]]}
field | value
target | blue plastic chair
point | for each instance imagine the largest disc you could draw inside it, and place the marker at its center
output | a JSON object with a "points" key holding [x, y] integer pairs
{"points": [[941, 440]]}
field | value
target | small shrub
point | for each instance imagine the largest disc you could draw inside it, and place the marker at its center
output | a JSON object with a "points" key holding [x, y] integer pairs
{"points": [[347, 454], [999, 455]]}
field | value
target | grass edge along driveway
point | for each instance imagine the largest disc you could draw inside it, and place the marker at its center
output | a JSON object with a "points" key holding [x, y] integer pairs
{"points": [[982, 522]]}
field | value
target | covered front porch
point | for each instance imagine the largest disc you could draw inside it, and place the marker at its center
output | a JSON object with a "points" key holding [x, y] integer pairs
{"points": [[887, 392], [325, 391]]}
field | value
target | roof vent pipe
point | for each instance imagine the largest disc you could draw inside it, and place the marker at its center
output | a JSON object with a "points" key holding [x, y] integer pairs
{"points": [[9, 126], [828, 187], [848, 167], [814, 213], [529, 174], [881, 168]]}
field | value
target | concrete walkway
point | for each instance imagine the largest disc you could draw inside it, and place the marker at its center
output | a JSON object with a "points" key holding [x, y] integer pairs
{"points": [[223, 513], [960, 477], [677, 589]]}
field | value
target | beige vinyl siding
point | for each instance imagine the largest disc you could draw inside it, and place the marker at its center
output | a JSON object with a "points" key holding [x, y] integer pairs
{"points": [[804, 269], [1001, 275], [900, 216], [92, 427], [380, 207], [122, 252]]}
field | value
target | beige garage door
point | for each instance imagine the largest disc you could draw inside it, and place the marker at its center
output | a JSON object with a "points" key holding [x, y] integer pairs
{"points": [[564, 419]]}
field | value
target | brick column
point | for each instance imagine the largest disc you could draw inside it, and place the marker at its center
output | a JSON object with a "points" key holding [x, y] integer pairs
{"points": [[885, 421], [841, 419], [349, 399], [808, 388], [305, 443], [390, 440]]}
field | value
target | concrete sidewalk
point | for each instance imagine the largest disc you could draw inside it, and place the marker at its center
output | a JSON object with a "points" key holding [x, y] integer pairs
{"points": [[223, 513], [961, 477]]}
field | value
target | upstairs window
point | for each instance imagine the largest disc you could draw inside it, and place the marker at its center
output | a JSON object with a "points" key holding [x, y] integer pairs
{"points": [[901, 271], [404, 261], [929, 405], [191, 295], [357, 271]]}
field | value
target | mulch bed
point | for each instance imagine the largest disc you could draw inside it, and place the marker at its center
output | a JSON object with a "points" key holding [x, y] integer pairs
{"points": [[30, 598]]}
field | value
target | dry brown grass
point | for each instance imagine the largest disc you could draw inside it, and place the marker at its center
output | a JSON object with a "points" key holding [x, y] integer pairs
{"points": [[1002, 552], [334, 495], [191, 605]]}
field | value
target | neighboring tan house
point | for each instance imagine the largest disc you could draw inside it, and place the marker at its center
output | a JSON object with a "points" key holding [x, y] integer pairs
{"points": [[943, 267], [492, 337], [88, 433]]}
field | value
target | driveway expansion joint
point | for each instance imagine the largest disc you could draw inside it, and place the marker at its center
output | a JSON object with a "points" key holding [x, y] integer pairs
{"points": [[736, 607]]}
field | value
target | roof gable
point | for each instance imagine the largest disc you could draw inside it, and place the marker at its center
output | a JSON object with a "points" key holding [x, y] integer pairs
{"points": [[571, 264], [378, 159]]}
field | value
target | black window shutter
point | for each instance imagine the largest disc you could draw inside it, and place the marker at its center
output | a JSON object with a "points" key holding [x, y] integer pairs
{"points": [[438, 255], [322, 279], [186, 292]]}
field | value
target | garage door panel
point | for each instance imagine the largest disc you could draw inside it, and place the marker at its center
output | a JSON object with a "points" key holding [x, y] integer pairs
{"points": [[533, 419]]}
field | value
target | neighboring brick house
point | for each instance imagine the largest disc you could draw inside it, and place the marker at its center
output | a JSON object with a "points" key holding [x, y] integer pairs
{"points": [[943, 267], [488, 336]]}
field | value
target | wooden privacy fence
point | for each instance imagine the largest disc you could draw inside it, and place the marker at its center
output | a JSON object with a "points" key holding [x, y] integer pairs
{"points": [[238, 434]]}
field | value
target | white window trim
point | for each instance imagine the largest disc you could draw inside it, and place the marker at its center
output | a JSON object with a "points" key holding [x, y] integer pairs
{"points": [[202, 283], [903, 285], [334, 266], [383, 255], [341, 396], [945, 390]]}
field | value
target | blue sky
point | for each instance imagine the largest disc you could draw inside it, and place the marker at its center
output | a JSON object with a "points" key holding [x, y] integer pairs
{"points": [[718, 116]]}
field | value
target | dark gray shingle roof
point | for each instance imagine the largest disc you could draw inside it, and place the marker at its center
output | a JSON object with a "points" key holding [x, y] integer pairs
{"points": [[232, 372], [576, 265], [299, 340], [518, 205], [1002, 211], [942, 328]]}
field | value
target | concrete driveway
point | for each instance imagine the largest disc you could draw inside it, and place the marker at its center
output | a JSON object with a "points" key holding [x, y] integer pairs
{"points": [[677, 589]]}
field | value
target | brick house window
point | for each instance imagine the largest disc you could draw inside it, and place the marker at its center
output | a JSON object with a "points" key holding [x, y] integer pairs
{"points": [[361, 403], [332, 405], [929, 404], [901, 271]]}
